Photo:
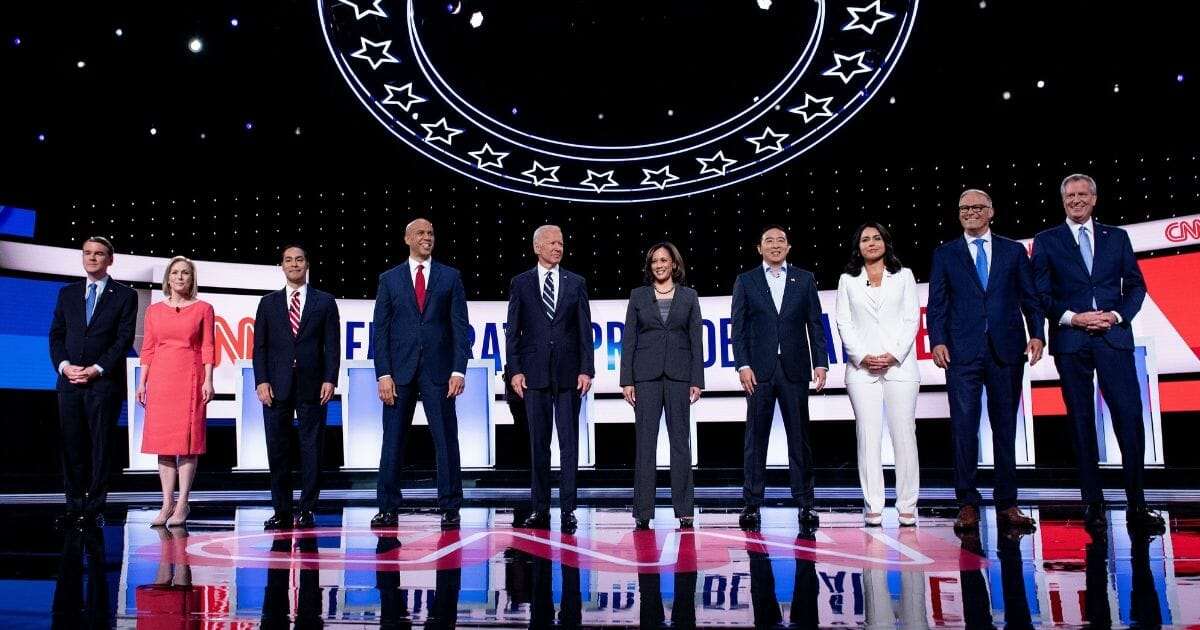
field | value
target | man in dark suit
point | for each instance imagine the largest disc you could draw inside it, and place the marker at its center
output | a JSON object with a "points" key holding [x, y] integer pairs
{"points": [[981, 302], [779, 348], [1089, 280], [421, 340], [297, 350], [90, 336], [548, 341]]}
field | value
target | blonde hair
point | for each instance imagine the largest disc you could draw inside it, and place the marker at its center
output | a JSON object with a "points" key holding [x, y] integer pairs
{"points": [[166, 284]]}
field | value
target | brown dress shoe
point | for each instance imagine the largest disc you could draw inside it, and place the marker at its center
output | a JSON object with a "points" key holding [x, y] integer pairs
{"points": [[968, 518], [1013, 518]]}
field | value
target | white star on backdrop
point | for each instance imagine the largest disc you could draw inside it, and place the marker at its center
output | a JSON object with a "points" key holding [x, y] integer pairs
{"points": [[373, 8], [706, 166], [409, 99], [659, 178], [599, 181], [486, 157], [440, 131], [809, 101], [382, 47], [760, 142], [541, 174], [840, 60], [856, 18]]}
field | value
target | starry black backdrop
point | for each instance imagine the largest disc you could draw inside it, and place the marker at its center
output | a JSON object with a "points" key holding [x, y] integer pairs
{"points": [[255, 140]]}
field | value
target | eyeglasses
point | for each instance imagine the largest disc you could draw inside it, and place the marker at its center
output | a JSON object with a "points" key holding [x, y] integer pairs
{"points": [[975, 209]]}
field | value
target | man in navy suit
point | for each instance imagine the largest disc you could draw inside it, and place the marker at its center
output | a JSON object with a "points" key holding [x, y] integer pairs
{"points": [[1089, 280], [779, 348], [90, 336], [982, 301], [297, 349], [548, 341], [421, 342]]}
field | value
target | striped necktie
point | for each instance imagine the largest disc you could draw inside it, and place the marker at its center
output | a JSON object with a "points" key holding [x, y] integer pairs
{"points": [[548, 295], [294, 313]]}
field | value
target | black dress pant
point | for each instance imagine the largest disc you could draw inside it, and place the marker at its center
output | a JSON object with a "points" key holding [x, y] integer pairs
{"points": [[760, 412], [277, 424], [653, 397], [88, 415], [560, 406]]}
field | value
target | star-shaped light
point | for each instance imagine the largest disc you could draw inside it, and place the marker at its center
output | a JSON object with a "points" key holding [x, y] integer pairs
{"points": [[659, 178], [715, 164], [541, 174], [486, 157], [761, 143], [856, 18], [599, 181], [402, 96], [381, 48], [440, 131], [839, 69], [372, 8], [809, 109]]}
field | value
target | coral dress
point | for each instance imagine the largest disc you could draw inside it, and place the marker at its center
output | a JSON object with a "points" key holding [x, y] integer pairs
{"points": [[175, 348]]}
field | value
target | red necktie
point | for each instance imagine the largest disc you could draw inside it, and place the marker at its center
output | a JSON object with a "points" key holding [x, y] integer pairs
{"points": [[419, 287], [294, 313]]}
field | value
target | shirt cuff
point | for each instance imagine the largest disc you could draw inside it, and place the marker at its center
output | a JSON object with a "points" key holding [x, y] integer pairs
{"points": [[1118, 316], [98, 368], [459, 374], [744, 367], [62, 365], [383, 377], [1065, 320]]}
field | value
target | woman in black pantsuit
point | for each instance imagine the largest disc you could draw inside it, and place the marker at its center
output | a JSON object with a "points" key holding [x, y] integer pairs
{"points": [[662, 368]]}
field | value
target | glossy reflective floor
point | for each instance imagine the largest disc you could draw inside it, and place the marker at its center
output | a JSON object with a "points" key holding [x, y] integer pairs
{"points": [[224, 571]]}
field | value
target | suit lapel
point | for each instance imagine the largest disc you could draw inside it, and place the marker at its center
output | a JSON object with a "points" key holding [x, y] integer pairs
{"points": [[564, 280], [791, 289], [1071, 245], [1100, 240], [963, 252], [105, 298], [306, 313]]}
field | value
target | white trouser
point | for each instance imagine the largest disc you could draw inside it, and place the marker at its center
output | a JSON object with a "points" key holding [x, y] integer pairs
{"points": [[880, 612], [869, 400]]}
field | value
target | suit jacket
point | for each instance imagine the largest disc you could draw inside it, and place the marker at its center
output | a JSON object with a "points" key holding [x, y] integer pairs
{"points": [[1064, 284], [796, 333], [889, 326], [403, 336], [962, 315], [542, 348], [315, 351], [652, 348], [105, 342]]}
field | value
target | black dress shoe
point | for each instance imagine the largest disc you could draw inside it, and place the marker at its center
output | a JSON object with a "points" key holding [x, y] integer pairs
{"points": [[306, 520], [687, 522], [451, 519], [66, 520], [277, 522], [569, 523], [538, 520], [1143, 520], [641, 524], [384, 519], [749, 519], [808, 518], [1093, 517]]}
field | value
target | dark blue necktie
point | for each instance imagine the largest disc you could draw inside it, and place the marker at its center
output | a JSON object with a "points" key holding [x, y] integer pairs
{"points": [[548, 296], [90, 304], [981, 263]]}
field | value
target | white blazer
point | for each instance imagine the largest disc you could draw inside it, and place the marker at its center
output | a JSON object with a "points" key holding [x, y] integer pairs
{"points": [[867, 329]]}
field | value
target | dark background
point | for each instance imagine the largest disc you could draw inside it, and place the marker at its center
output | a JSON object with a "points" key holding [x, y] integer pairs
{"points": [[1119, 97]]}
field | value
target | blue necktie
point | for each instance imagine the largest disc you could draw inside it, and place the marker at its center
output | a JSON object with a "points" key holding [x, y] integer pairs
{"points": [[981, 263], [90, 304], [1085, 250]]}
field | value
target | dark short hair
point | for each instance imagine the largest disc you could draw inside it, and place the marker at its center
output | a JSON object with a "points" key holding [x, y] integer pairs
{"points": [[677, 275], [890, 261], [291, 245], [772, 226], [103, 241]]}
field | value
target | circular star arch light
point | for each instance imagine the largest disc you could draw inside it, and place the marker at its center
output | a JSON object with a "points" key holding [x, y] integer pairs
{"points": [[847, 51]]}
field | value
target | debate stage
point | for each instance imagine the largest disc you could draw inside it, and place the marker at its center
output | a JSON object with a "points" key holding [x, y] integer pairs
{"points": [[224, 571]]}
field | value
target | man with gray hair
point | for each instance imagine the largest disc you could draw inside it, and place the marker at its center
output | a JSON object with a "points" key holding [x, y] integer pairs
{"points": [[1089, 280], [548, 342], [982, 300]]}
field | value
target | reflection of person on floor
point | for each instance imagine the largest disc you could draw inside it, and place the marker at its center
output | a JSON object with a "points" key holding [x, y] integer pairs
{"points": [[977, 607], [73, 608], [765, 605], [878, 609], [170, 600], [541, 608], [276, 604], [443, 610], [1096, 610], [393, 600], [1145, 610], [683, 608]]}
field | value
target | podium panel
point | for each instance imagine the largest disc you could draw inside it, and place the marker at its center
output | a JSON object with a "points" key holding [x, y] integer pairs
{"points": [[251, 434], [1106, 436], [138, 461]]}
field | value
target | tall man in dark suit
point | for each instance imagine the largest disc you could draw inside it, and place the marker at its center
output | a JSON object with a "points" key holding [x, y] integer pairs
{"points": [[981, 302], [422, 343], [90, 336], [779, 348], [1089, 280], [297, 351], [548, 341]]}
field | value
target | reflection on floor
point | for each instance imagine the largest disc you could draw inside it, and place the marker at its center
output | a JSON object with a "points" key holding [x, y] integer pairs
{"points": [[225, 571]]}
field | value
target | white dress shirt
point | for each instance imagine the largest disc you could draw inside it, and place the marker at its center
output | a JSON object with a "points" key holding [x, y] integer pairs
{"points": [[288, 291]]}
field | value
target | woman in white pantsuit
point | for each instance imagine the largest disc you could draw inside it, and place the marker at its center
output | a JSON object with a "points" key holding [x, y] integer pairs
{"points": [[877, 317]]}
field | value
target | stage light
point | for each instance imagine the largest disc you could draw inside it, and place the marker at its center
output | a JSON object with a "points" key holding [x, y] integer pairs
{"points": [[1041, 84], [892, 100], [17, 42], [119, 32], [1178, 77], [1116, 88], [249, 125], [41, 137], [233, 22], [765, 5], [297, 131], [195, 45], [476, 19], [154, 131], [80, 64], [1007, 95]]}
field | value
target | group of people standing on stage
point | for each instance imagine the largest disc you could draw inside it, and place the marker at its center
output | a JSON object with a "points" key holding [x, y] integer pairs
{"points": [[986, 312]]}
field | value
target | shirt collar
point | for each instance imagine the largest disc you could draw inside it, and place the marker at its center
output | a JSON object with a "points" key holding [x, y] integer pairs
{"points": [[1090, 224], [100, 284], [412, 263], [986, 236], [303, 289], [542, 271], [783, 268]]}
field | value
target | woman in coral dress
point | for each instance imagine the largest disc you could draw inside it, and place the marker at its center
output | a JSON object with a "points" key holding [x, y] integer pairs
{"points": [[176, 384]]}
